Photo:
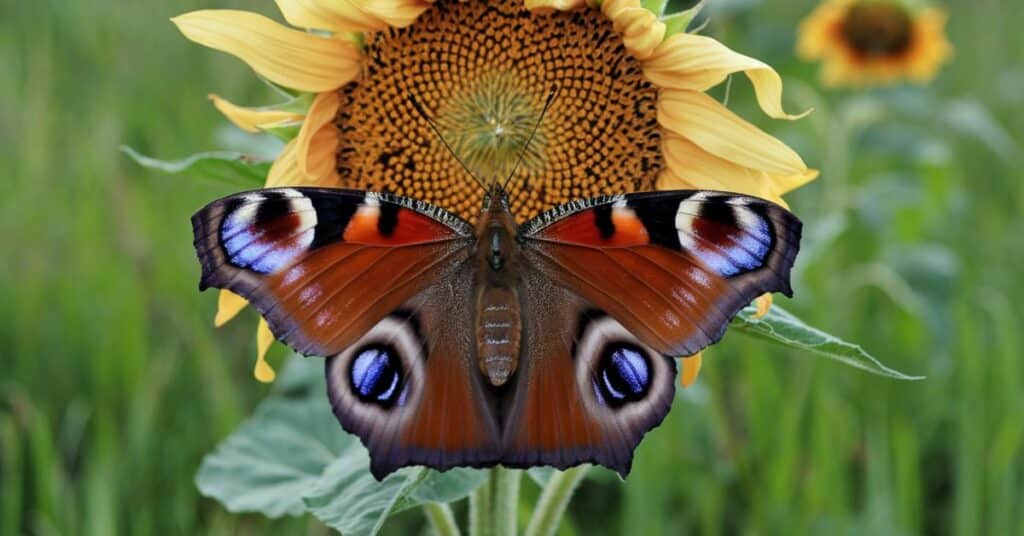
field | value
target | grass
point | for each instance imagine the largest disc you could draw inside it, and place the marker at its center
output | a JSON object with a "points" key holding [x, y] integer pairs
{"points": [[115, 383]]}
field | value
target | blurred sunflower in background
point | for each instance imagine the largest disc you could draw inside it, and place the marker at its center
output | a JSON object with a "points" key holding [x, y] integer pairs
{"points": [[875, 42], [631, 111]]}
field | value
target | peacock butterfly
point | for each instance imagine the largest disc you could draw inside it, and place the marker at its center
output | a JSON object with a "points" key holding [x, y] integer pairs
{"points": [[452, 344]]}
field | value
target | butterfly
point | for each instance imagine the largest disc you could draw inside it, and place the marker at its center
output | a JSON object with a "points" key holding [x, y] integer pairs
{"points": [[551, 342]]}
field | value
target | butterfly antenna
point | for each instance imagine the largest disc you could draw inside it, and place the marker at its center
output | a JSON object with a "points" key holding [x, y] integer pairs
{"points": [[437, 131], [522, 152]]}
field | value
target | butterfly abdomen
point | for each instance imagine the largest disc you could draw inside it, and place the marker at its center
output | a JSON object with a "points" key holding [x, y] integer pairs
{"points": [[498, 329]]}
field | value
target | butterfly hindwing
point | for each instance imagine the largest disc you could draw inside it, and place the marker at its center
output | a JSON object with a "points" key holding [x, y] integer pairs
{"points": [[587, 390], [673, 267], [410, 389], [323, 265]]}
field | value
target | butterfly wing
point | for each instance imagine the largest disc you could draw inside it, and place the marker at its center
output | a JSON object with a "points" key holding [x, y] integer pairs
{"points": [[323, 265], [673, 267], [587, 389], [410, 387], [613, 288], [379, 285]]}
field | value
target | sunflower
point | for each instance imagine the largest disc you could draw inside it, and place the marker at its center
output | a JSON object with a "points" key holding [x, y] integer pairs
{"points": [[631, 112], [874, 42]]}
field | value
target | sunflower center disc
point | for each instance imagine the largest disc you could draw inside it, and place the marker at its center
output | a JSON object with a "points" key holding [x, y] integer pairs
{"points": [[877, 28], [482, 72], [489, 124]]}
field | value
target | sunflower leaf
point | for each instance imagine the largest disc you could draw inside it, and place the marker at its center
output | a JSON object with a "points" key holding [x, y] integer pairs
{"points": [[541, 475], [678, 22], [299, 104], [348, 499], [292, 457], [285, 130], [783, 328], [274, 457], [226, 166], [654, 6]]}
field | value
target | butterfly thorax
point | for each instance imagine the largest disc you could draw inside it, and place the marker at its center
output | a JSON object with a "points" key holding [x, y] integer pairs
{"points": [[497, 313]]}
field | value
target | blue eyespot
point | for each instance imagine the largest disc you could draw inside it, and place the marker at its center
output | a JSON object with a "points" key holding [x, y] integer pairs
{"points": [[624, 374], [376, 375]]}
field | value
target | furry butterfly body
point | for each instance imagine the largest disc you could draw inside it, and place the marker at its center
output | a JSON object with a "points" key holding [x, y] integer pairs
{"points": [[447, 343]]}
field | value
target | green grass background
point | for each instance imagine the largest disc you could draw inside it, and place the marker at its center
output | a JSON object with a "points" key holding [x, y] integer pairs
{"points": [[113, 382]]}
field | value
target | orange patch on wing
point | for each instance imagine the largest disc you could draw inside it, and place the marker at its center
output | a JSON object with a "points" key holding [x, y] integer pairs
{"points": [[583, 229], [410, 228], [629, 230]]}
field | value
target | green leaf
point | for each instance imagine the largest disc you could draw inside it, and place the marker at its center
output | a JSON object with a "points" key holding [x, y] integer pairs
{"points": [[285, 131], [782, 328], [347, 498], [274, 457], [654, 6], [450, 485], [288, 130], [299, 376], [292, 456], [299, 104], [225, 166], [679, 22], [541, 475]]}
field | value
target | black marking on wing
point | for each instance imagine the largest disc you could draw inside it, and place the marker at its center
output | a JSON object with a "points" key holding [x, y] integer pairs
{"points": [[274, 205], [333, 215], [659, 219], [718, 210], [603, 220], [388, 219]]}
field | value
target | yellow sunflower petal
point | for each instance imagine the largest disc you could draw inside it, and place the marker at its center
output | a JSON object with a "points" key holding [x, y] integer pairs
{"points": [[788, 183], [763, 304], [317, 143], [250, 119], [691, 367], [640, 28], [284, 56], [286, 171], [397, 13], [697, 63], [701, 170], [711, 126], [690, 167], [558, 5], [264, 338], [229, 305], [351, 15]]}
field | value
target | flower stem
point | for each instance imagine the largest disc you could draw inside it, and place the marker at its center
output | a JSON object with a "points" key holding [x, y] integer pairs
{"points": [[505, 496], [494, 506], [480, 511], [441, 519], [553, 500]]}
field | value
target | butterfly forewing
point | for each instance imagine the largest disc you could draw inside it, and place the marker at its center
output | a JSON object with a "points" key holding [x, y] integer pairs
{"points": [[673, 267], [323, 266]]}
